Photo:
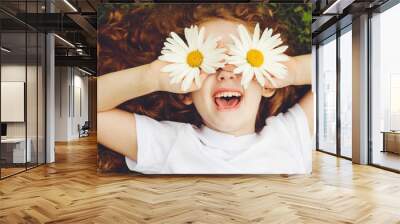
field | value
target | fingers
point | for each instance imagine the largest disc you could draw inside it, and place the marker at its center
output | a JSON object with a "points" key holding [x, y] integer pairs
{"points": [[220, 44], [203, 77], [195, 87], [268, 92], [229, 67], [269, 84]]}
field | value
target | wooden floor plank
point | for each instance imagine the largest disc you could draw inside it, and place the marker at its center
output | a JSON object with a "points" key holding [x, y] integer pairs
{"points": [[72, 191]]}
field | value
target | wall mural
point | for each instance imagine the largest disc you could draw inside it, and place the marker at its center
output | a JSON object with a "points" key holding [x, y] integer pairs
{"points": [[205, 88]]}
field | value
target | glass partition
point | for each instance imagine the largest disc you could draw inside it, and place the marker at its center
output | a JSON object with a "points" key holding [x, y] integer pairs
{"points": [[22, 88], [327, 96], [346, 92], [13, 105], [31, 100], [41, 107], [385, 89]]}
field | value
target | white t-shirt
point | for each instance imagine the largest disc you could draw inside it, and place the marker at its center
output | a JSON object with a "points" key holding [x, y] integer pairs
{"points": [[282, 147]]}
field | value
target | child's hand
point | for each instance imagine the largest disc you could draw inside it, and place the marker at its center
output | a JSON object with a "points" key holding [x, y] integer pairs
{"points": [[299, 73], [276, 83], [164, 79]]}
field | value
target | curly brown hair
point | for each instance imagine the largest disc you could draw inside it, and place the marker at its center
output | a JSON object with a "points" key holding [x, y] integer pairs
{"points": [[133, 36]]}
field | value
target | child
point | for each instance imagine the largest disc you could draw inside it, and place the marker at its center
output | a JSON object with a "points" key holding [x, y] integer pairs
{"points": [[229, 138]]}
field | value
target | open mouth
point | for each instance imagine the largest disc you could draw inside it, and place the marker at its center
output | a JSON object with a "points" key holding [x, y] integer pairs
{"points": [[227, 99]]}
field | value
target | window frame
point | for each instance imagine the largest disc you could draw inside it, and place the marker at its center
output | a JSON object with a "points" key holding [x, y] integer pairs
{"points": [[334, 37]]}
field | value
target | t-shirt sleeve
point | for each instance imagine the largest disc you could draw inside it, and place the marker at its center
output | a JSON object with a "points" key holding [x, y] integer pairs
{"points": [[154, 142], [296, 123]]}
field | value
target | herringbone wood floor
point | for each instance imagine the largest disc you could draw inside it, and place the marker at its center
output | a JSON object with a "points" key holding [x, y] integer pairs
{"points": [[71, 191]]}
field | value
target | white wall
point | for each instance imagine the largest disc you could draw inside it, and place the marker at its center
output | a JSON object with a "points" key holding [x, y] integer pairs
{"points": [[33, 127], [390, 66], [50, 94], [16, 73], [314, 90], [385, 66], [327, 96], [70, 83], [61, 103], [80, 109], [13, 101]]}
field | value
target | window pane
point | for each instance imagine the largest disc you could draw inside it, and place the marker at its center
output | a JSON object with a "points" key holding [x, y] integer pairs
{"points": [[345, 94], [385, 114], [41, 98], [327, 96], [31, 99], [14, 153]]}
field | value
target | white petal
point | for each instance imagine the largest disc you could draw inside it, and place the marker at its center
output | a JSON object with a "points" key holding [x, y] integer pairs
{"points": [[166, 52], [207, 68], [179, 40], [172, 41], [212, 56], [189, 38], [247, 77], [209, 52], [211, 41], [266, 35], [216, 65], [256, 35], [179, 70], [174, 58], [280, 58], [236, 60], [173, 48], [197, 79], [259, 76], [238, 43], [271, 43], [200, 38], [277, 69], [233, 50], [187, 81], [171, 67], [162, 58], [244, 36], [280, 50], [275, 41], [191, 35], [239, 69], [269, 77], [180, 74]]}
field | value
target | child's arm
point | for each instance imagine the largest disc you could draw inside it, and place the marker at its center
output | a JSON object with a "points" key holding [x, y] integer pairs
{"points": [[301, 68], [117, 87], [307, 104], [300, 72], [117, 128]]}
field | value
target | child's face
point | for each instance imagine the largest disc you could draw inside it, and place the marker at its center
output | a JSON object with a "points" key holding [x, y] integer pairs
{"points": [[222, 102]]}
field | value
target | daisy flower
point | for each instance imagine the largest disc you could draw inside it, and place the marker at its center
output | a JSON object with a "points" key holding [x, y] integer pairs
{"points": [[187, 59], [258, 56]]}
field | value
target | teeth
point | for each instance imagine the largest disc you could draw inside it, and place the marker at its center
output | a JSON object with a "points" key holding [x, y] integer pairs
{"points": [[228, 94]]}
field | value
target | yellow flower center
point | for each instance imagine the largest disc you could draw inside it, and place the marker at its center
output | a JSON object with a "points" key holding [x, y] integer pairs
{"points": [[255, 58], [194, 58]]}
